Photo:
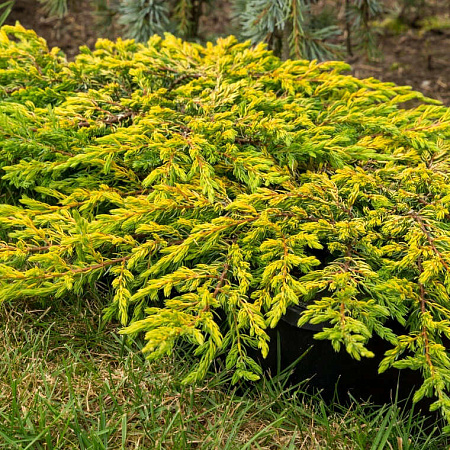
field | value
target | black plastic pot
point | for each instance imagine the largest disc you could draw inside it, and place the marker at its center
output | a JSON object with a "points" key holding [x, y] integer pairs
{"points": [[337, 374]]}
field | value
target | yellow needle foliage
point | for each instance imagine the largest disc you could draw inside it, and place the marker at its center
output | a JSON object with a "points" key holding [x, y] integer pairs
{"points": [[213, 187]]}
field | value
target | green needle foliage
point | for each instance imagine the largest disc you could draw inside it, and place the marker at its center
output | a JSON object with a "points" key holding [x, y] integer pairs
{"points": [[5, 10], [290, 27], [204, 190]]}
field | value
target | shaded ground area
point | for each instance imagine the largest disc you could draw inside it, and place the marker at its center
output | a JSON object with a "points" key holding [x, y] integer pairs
{"points": [[414, 57], [69, 33], [420, 61]]}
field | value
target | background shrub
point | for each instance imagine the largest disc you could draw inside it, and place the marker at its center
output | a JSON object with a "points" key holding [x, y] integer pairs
{"points": [[310, 29]]}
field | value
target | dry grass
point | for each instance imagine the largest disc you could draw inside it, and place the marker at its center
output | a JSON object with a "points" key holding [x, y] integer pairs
{"points": [[67, 383]]}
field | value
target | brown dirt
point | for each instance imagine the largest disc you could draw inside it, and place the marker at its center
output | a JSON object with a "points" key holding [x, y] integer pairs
{"points": [[413, 58], [69, 33], [420, 61]]}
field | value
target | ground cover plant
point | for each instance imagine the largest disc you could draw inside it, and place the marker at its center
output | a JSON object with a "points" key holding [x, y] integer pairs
{"points": [[203, 190]]}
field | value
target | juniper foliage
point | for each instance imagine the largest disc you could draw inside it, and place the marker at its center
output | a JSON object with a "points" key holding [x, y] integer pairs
{"points": [[213, 187]]}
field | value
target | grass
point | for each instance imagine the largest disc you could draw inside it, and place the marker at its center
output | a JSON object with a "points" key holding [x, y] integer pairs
{"points": [[67, 383]]}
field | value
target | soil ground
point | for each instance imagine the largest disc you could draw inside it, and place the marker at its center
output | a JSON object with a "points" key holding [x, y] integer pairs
{"points": [[69, 33], [420, 61], [415, 57]]}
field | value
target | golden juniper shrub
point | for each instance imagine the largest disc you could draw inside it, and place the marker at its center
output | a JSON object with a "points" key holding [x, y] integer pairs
{"points": [[213, 187]]}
